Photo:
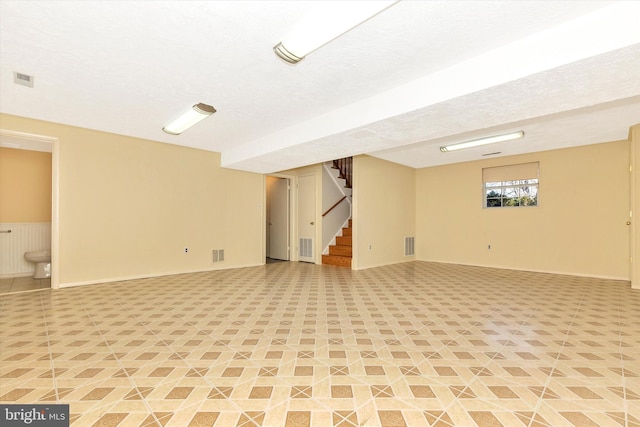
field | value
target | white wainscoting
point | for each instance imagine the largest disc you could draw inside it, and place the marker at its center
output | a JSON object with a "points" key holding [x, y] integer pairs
{"points": [[24, 237]]}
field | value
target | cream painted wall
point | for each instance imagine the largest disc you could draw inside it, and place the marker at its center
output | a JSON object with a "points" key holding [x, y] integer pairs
{"points": [[25, 186], [578, 228], [129, 207], [384, 211]]}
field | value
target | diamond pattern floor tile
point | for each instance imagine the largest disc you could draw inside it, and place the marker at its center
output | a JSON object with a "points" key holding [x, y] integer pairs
{"points": [[294, 344]]}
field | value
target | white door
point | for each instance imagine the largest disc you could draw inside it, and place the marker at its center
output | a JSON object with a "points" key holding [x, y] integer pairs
{"points": [[307, 218], [279, 220]]}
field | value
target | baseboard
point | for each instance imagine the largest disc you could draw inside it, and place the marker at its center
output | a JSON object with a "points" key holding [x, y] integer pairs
{"points": [[152, 275], [561, 273], [409, 259], [148, 276], [11, 276]]}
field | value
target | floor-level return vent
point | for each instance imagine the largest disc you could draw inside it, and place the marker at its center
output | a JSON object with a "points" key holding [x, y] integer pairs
{"points": [[306, 247], [218, 255], [409, 246]]}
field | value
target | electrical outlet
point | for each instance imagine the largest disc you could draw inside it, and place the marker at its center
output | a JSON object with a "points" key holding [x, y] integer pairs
{"points": [[369, 247], [489, 247], [186, 250]]}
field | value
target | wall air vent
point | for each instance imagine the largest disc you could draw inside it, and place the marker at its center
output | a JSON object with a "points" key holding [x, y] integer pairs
{"points": [[409, 246], [218, 255], [22, 79]]}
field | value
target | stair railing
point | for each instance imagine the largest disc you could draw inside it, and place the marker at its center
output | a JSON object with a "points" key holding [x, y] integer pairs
{"points": [[345, 166], [332, 207]]}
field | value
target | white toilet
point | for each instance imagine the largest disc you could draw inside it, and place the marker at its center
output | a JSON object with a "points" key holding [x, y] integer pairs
{"points": [[42, 260]]}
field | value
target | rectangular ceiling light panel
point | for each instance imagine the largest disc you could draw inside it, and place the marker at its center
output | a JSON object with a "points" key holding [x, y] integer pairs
{"points": [[482, 141], [328, 20], [189, 118]]}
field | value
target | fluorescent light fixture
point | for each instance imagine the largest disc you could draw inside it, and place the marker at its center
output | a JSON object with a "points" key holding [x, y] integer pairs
{"points": [[482, 141], [197, 113], [328, 20]]}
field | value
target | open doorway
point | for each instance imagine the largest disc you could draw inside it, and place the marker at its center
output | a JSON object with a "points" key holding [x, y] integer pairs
{"points": [[28, 218], [278, 218], [25, 217]]}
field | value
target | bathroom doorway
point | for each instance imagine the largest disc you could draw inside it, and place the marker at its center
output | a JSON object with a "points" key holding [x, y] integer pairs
{"points": [[29, 166]]}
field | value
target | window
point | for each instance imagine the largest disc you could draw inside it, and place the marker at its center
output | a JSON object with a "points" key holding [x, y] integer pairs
{"points": [[511, 186]]}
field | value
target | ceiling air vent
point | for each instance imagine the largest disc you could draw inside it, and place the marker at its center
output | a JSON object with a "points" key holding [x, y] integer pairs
{"points": [[22, 79]]}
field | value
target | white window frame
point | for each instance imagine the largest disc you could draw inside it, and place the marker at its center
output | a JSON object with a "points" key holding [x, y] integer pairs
{"points": [[505, 180]]}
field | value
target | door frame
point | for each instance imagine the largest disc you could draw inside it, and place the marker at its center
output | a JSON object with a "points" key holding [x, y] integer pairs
{"points": [[271, 236], [634, 206], [55, 195], [293, 203]]}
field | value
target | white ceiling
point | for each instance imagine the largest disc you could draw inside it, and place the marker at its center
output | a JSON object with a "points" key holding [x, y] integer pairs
{"points": [[416, 76]]}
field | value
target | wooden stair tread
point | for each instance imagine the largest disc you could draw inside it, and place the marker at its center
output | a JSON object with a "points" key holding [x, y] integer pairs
{"points": [[341, 253], [340, 261], [341, 250], [344, 240]]}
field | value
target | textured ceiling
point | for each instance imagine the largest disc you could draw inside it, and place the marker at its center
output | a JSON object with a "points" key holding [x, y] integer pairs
{"points": [[419, 74]]}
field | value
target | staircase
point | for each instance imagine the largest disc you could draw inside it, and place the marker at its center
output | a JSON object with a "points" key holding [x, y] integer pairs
{"points": [[340, 253], [345, 166]]}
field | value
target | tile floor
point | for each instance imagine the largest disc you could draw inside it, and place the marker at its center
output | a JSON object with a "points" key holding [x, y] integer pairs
{"points": [[21, 284], [293, 344]]}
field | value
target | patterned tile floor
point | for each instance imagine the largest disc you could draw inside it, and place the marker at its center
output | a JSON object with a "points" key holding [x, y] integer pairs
{"points": [[293, 344], [21, 284]]}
